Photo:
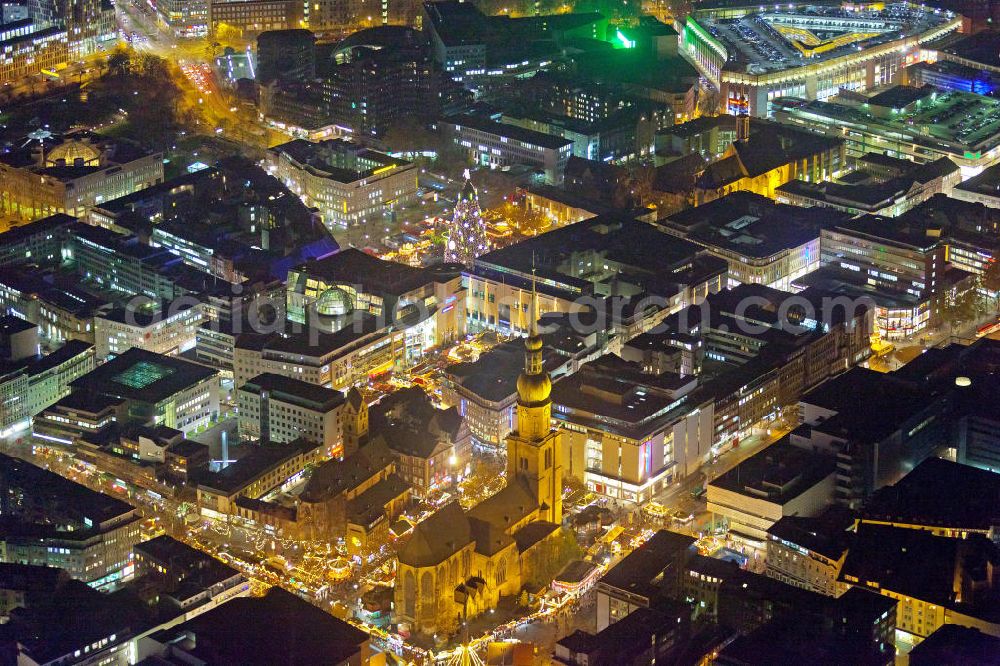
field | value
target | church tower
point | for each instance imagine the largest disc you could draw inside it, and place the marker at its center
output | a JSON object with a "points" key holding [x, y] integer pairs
{"points": [[534, 450], [353, 421]]}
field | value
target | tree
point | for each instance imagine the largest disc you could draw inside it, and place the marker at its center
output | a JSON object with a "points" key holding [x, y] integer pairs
{"points": [[552, 555], [957, 306], [990, 281], [119, 62]]}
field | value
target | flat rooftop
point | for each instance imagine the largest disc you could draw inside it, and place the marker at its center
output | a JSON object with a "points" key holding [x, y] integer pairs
{"points": [[982, 48], [68, 501], [957, 122], [243, 631], [779, 473], [144, 376], [294, 391], [264, 457], [776, 40], [515, 132], [926, 496], [635, 248], [636, 572], [338, 160], [751, 225]]}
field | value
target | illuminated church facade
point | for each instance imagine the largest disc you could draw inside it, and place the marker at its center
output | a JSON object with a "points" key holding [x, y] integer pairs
{"points": [[458, 564]]}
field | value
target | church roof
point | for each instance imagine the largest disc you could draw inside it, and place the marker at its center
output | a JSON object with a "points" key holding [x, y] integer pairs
{"points": [[533, 533], [511, 505], [339, 476], [437, 538]]}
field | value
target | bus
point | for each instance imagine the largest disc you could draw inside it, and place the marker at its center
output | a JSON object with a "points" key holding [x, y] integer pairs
{"points": [[989, 329]]}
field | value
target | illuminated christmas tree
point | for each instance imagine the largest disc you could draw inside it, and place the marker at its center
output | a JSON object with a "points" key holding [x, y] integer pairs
{"points": [[467, 238]]}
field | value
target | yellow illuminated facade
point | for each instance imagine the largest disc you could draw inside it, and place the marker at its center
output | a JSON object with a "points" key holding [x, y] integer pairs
{"points": [[459, 564]]}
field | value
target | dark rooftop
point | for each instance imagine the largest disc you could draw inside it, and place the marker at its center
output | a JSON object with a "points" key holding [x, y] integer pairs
{"points": [[826, 534], [636, 572], [144, 376], [264, 457], [244, 631], [920, 564], [982, 47], [926, 496], [779, 473], [514, 132], [899, 97], [295, 391], [955, 645], [66, 499]]}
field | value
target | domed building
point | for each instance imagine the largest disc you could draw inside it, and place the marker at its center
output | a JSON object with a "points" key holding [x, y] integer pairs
{"points": [[49, 173], [459, 564], [74, 153]]}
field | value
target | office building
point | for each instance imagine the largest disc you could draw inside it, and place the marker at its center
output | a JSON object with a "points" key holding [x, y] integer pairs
{"points": [[800, 627], [781, 480], [921, 500], [497, 145], [901, 267], [761, 242], [653, 570], [955, 642], [281, 409], [808, 552], [188, 579], [622, 436], [881, 185], [162, 328], [600, 264], [644, 637], [947, 75], [157, 389], [936, 580], [480, 51], [768, 54], [873, 449], [233, 221], [251, 17], [27, 48], [266, 467], [72, 173], [243, 631], [983, 188], [31, 381], [382, 76], [52, 521], [286, 54], [352, 186], [884, 123], [77, 415], [61, 310], [485, 390], [184, 18]]}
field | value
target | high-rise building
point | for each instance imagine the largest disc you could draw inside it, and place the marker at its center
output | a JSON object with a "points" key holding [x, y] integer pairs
{"points": [[286, 54], [90, 24], [186, 18], [467, 239]]}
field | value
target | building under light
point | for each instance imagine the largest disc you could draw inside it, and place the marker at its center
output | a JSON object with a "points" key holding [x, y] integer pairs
{"points": [[761, 56], [352, 186]]}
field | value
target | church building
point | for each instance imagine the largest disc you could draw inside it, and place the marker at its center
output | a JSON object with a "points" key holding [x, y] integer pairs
{"points": [[458, 564]]}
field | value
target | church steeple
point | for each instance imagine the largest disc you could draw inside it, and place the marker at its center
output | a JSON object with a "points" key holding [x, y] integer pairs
{"points": [[534, 449], [533, 385]]}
